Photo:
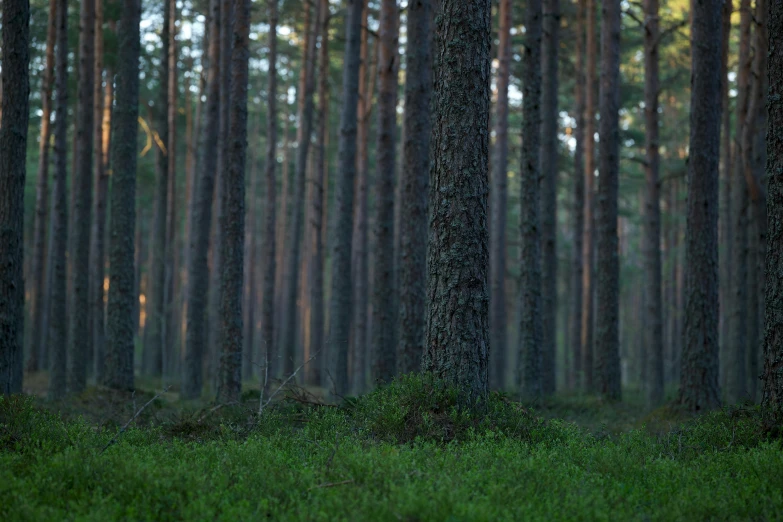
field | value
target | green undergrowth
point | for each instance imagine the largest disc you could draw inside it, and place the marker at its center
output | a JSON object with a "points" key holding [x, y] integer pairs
{"points": [[403, 452]]}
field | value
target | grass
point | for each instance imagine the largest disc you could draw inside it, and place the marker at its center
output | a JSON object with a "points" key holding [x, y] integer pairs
{"points": [[404, 452]]}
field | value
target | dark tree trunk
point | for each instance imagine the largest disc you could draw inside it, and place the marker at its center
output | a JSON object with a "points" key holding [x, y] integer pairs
{"points": [[549, 149], [383, 293], [457, 338], [725, 217], [122, 297], [652, 214], [249, 290], [498, 196], [13, 143], [233, 223], [270, 210], [415, 182], [340, 302], [579, 209], [201, 219], [79, 248], [38, 301], [773, 333], [699, 381]]}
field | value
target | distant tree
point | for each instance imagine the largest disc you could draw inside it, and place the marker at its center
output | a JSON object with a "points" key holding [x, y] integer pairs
{"points": [[415, 182], [457, 338], [13, 170], [383, 292], [699, 381], [725, 218], [773, 333], [340, 301], [498, 196]]}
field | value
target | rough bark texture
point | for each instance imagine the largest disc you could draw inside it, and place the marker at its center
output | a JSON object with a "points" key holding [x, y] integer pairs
{"points": [[122, 297], [736, 375], [549, 148], [383, 296], [588, 249], [772, 400], [38, 301], [13, 144], [340, 301], [250, 262], [270, 210], [457, 338], [201, 219], [726, 214], [79, 247], [578, 211], [58, 231], [652, 214], [498, 196], [415, 182], [699, 377], [233, 223], [531, 327]]}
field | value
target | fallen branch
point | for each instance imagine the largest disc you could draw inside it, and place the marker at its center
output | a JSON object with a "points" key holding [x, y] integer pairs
{"points": [[122, 430], [263, 404], [331, 484]]}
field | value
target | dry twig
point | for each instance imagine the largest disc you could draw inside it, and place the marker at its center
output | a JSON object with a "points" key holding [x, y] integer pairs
{"points": [[122, 430]]}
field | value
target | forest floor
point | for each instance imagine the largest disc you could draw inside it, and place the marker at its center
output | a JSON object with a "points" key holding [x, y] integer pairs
{"points": [[403, 452]]}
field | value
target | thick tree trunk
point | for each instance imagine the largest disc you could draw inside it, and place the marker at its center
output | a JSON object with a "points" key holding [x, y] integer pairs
{"points": [[13, 143], [699, 383], [270, 210], [79, 248], [38, 301], [384, 321], [457, 338], [415, 182], [122, 298], [652, 214], [498, 196], [773, 333], [201, 219], [725, 217], [579, 208], [340, 301]]}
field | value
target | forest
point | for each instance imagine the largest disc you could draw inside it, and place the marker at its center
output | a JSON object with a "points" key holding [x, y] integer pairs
{"points": [[391, 260]]}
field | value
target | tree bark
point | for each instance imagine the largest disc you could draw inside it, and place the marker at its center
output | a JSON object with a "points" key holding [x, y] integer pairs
{"points": [[340, 301], [699, 382], [79, 248], [122, 298], [726, 215], [13, 143], [415, 184], [457, 337]]}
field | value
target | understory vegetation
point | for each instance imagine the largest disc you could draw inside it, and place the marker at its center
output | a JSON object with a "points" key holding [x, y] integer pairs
{"points": [[402, 452]]}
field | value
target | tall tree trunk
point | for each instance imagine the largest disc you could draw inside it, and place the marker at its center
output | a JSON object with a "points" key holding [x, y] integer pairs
{"points": [[415, 183], [152, 360], [13, 143], [283, 242], [340, 300], [39, 291], [270, 210], [120, 322], [317, 203], [531, 327], [498, 196], [736, 377], [288, 335], [383, 293], [201, 219], [249, 290], [549, 149], [773, 333], [79, 248], [588, 246], [726, 214], [652, 213], [699, 382], [457, 338]]}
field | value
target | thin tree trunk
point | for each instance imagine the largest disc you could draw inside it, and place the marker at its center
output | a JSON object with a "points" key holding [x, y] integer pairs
{"points": [[249, 290], [340, 302], [39, 292], [120, 322], [699, 384], [725, 218], [549, 148]]}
